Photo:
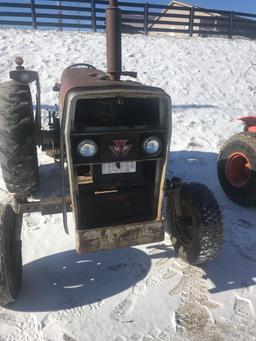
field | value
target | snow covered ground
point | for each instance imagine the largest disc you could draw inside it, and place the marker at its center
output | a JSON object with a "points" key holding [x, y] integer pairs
{"points": [[144, 293]]}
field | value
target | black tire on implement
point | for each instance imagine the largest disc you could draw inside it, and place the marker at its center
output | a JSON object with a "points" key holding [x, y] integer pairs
{"points": [[10, 254], [237, 181], [197, 234], [18, 154]]}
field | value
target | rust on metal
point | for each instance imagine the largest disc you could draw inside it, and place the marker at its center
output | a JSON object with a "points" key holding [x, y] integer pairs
{"points": [[75, 78], [114, 46], [45, 206], [79, 79], [107, 238]]}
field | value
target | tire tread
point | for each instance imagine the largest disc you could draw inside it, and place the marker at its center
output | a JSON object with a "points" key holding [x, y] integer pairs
{"points": [[209, 229], [18, 154], [246, 141]]}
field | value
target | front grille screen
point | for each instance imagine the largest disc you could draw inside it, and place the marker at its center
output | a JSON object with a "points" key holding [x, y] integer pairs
{"points": [[117, 112]]}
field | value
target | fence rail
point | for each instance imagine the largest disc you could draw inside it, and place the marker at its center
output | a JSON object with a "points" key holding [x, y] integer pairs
{"points": [[137, 17]]}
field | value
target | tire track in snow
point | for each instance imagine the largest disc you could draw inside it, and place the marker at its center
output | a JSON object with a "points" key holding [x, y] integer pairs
{"points": [[162, 271], [192, 286], [167, 334], [19, 327], [194, 319]]}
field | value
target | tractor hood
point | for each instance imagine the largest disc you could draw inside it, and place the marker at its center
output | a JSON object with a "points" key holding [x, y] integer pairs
{"points": [[84, 78]]}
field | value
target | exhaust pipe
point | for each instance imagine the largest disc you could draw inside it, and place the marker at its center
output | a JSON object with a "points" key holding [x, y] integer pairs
{"points": [[114, 46]]}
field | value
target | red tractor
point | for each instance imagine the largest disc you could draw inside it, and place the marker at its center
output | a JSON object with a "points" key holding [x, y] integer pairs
{"points": [[112, 139], [237, 165]]}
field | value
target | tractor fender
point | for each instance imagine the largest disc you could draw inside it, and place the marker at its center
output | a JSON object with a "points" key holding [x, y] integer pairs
{"points": [[249, 122]]}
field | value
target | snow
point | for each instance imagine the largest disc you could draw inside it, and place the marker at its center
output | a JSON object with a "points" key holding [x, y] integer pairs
{"points": [[144, 293]]}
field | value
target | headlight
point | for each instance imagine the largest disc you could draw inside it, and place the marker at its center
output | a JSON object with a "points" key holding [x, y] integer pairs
{"points": [[87, 148], [152, 146]]}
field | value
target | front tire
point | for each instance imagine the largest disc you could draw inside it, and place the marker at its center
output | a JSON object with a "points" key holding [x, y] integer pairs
{"points": [[10, 254], [197, 231], [237, 168], [18, 154]]}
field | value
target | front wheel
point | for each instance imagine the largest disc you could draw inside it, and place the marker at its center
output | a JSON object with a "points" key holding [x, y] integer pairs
{"points": [[194, 223], [10, 254], [18, 153], [237, 168]]}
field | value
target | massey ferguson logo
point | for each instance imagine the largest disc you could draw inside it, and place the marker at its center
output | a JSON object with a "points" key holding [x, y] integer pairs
{"points": [[120, 147]]}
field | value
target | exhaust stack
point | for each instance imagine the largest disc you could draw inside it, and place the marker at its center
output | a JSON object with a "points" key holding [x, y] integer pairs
{"points": [[114, 46]]}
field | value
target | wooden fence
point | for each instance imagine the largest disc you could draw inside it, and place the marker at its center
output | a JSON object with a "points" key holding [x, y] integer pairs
{"points": [[89, 15]]}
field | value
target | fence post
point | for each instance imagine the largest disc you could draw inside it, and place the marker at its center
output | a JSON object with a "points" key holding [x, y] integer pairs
{"points": [[59, 4], [191, 21], [94, 23], [230, 29], [146, 19], [33, 14]]}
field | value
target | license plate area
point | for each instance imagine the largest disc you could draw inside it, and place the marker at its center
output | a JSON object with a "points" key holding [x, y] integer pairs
{"points": [[119, 167]]}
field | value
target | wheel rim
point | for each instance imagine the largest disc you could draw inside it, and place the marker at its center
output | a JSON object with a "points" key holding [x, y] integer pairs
{"points": [[183, 226], [238, 169]]}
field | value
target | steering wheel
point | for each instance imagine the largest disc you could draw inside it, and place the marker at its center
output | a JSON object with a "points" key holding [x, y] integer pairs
{"points": [[88, 66]]}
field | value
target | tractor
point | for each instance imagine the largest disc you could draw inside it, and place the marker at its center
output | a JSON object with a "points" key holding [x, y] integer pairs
{"points": [[237, 165], [111, 138]]}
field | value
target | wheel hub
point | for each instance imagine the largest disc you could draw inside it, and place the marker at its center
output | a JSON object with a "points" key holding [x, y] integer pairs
{"points": [[238, 169], [184, 226]]}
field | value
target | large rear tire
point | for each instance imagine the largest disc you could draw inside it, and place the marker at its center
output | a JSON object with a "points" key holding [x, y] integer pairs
{"points": [[237, 168], [18, 154], [197, 231], [10, 255]]}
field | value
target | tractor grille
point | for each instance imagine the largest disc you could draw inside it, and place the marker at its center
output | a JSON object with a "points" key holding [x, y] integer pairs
{"points": [[118, 112], [118, 127]]}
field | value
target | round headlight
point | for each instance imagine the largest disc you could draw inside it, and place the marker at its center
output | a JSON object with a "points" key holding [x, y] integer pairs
{"points": [[87, 148], [152, 146]]}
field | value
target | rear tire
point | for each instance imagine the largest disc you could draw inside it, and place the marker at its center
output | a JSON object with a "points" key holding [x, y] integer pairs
{"points": [[197, 234], [10, 255], [18, 154], [237, 168]]}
